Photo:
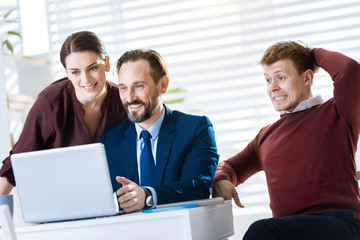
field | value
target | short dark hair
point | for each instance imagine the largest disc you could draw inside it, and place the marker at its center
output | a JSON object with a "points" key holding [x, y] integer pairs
{"points": [[299, 53], [82, 41], [157, 64]]}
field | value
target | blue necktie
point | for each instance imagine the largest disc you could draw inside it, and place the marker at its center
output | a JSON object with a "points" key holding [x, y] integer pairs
{"points": [[147, 164]]}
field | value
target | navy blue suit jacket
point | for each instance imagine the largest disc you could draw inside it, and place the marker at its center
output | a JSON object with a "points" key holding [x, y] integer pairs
{"points": [[186, 156]]}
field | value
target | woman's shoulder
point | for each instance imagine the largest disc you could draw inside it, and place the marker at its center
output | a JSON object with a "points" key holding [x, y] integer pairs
{"points": [[113, 92], [58, 90]]}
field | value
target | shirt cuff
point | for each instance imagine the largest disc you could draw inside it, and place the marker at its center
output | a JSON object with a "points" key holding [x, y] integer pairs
{"points": [[154, 195]]}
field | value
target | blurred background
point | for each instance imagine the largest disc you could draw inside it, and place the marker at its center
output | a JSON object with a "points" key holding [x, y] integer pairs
{"points": [[211, 47]]}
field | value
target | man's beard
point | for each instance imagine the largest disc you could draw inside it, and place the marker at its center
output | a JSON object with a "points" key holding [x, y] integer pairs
{"points": [[139, 117]]}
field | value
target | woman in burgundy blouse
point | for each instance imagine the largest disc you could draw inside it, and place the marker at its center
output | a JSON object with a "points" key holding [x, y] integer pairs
{"points": [[72, 111]]}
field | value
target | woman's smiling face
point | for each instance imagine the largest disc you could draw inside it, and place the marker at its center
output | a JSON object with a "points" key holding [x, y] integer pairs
{"points": [[86, 70]]}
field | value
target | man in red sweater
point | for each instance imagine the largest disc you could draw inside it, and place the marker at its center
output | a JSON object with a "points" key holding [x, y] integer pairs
{"points": [[308, 154]]}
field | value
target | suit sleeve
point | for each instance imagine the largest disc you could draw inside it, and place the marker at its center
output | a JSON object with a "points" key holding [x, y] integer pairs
{"points": [[199, 160]]}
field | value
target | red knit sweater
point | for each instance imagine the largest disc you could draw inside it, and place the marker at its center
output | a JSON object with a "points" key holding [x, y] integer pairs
{"points": [[308, 156]]}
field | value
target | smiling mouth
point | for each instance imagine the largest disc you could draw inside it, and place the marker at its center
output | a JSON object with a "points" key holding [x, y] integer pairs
{"points": [[89, 87], [134, 106]]}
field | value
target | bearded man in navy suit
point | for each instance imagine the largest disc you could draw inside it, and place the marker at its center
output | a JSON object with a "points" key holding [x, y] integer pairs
{"points": [[183, 146]]}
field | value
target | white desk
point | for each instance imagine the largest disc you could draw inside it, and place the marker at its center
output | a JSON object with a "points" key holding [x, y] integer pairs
{"points": [[208, 222]]}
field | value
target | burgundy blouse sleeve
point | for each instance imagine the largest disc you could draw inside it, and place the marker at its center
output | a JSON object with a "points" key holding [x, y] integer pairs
{"points": [[37, 129]]}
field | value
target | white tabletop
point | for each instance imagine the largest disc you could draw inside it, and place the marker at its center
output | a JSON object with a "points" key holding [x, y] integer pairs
{"points": [[207, 222]]}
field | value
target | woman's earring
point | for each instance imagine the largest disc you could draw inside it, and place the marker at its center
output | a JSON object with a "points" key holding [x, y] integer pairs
{"points": [[107, 61]]}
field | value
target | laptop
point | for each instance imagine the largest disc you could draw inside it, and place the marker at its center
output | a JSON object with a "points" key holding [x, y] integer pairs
{"points": [[64, 183]]}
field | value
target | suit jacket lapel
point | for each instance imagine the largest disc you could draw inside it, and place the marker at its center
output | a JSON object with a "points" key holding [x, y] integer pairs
{"points": [[166, 137], [128, 152]]}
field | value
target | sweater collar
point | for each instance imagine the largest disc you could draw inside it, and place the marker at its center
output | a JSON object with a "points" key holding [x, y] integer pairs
{"points": [[306, 104]]}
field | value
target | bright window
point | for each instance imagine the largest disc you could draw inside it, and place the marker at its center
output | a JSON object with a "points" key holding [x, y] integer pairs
{"points": [[211, 48]]}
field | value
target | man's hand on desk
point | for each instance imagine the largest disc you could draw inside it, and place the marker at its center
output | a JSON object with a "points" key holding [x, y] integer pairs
{"points": [[225, 189], [131, 195]]}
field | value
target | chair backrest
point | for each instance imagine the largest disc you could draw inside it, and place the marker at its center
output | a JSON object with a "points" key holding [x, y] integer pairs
{"points": [[21, 104], [6, 223]]}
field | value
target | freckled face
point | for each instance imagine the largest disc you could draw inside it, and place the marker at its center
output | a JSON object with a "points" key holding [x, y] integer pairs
{"points": [[86, 70], [285, 86]]}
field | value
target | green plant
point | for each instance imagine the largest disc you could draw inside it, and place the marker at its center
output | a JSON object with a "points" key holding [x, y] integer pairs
{"points": [[177, 100], [4, 40]]}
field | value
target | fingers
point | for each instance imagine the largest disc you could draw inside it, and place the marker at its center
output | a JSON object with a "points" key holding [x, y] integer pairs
{"points": [[131, 196], [125, 189], [133, 200], [127, 185], [225, 189], [130, 205], [236, 199], [122, 180]]}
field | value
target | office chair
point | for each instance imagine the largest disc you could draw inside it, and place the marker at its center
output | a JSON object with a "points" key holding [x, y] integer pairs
{"points": [[6, 223]]}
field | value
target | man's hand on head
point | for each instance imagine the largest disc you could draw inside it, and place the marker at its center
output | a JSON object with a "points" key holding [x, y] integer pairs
{"points": [[131, 196]]}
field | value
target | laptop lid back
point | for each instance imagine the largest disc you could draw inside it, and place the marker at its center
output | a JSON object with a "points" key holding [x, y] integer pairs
{"points": [[64, 183]]}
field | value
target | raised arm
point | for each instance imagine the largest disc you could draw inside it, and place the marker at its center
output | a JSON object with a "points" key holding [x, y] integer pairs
{"points": [[345, 73]]}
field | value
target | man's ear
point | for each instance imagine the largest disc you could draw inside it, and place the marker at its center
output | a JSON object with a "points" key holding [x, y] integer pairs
{"points": [[164, 83], [309, 77], [107, 64]]}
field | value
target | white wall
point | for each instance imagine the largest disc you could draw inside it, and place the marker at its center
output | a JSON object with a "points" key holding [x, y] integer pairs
{"points": [[4, 124], [34, 27]]}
